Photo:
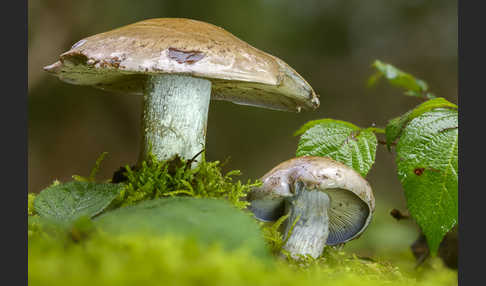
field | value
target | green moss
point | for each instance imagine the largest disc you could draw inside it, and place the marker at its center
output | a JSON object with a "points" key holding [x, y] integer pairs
{"points": [[272, 235], [30, 204], [275, 239], [170, 260], [155, 179], [33, 226], [82, 254]]}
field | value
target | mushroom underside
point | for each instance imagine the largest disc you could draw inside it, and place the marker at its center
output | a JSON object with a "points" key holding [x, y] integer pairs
{"points": [[346, 214], [115, 79]]}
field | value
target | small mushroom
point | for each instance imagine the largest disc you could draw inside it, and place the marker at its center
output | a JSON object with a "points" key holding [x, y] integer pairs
{"points": [[176, 64], [332, 202]]}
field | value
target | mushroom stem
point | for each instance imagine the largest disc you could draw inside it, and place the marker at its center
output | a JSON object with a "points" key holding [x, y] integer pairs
{"points": [[310, 233], [175, 113]]}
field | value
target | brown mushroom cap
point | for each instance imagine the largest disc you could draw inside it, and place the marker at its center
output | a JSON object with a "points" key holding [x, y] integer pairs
{"points": [[351, 197], [120, 60]]}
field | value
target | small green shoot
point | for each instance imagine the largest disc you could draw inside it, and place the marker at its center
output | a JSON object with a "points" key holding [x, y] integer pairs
{"points": [[94, 171]]}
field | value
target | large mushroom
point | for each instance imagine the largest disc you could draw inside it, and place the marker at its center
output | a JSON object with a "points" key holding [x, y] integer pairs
{"points": [[176, 64], [331, 202]]}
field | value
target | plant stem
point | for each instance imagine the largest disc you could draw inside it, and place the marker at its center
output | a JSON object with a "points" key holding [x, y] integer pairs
{"points": [[175, 113], [376, 130], [310, 233]]}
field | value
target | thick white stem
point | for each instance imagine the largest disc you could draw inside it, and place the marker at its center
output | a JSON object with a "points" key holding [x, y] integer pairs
{"points": [[175, 116], [310, 233]]}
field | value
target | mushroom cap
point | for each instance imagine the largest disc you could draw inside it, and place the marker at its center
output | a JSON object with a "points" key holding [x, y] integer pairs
{"points": [[352, 200], [120, 60]]}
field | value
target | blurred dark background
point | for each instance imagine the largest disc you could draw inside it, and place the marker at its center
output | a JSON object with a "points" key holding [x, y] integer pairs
{"points": [[331, 43]]}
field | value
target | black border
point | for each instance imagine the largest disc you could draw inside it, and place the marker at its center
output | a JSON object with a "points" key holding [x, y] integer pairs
{"points": [[14, 142], [471, 64]]}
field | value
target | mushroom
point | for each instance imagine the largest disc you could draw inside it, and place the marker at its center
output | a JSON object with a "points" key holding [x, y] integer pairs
{"points": [[331, 202], [176, 64]]}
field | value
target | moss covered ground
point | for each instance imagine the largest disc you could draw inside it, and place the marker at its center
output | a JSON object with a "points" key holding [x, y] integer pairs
{"points": [[171, 260], [86, 254]]}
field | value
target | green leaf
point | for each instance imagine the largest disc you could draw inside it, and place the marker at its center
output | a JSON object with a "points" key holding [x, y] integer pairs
{"points": [[339, 140], [207, 220], [413, 86], [68, 201], [325, 121], [427, 168], [396, 125]]}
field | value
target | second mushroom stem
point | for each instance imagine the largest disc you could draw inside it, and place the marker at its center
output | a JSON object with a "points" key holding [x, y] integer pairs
{"points": [[309, 235], [175, 116]]}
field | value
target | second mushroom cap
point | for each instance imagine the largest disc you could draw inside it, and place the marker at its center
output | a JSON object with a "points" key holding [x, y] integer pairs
{"points": [[350, 198]]}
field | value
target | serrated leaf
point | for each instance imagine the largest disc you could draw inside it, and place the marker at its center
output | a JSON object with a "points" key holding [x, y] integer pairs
{"points": [[396, 125], [312, 123], [339, 140], [412, 85], [207, 220], [68, 201], [427, 168]]}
